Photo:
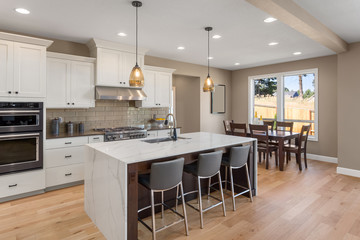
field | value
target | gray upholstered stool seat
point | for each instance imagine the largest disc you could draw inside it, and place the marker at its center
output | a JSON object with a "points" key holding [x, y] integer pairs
{"points": [[207, 166], [164, 176], [237, 159]]}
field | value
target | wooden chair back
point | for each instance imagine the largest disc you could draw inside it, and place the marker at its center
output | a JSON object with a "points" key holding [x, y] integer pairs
{"points": [[261, 132], [228, 127], [269, 124], [284, 126], [238, 129], [303, 137]]}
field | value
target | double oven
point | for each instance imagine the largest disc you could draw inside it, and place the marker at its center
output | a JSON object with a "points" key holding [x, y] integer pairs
{"points": [[21, 136]]}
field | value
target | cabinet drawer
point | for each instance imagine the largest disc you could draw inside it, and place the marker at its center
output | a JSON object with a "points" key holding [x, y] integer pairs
{"points": [[63, 156], [66, 142], [164, 133], [152, 134], [97, 138], [64, 174], [18, 183]]}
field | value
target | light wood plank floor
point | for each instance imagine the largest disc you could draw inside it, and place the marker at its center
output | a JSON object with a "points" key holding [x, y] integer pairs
{"points": [[313, 204]]}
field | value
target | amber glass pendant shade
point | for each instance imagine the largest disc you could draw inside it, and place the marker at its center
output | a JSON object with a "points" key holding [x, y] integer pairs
{"points": [[209, 85], [136, 77]]}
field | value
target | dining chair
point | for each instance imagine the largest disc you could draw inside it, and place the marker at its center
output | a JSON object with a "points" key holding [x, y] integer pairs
{"points": [[228, 127], [270, 124], [285, 127], [300, 147], [238, 129], [261, 133]]}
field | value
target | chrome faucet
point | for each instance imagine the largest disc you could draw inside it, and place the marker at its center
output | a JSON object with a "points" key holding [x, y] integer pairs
{"points": [[173, 133]]}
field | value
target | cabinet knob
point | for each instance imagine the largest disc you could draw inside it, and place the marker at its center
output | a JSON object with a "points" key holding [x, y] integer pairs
{"points": [[9, 92], [16, 92], [68, 103], [73, 103]]}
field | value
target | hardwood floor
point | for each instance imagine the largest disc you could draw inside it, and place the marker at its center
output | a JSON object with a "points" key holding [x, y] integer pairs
{"points": [[313, 204]]}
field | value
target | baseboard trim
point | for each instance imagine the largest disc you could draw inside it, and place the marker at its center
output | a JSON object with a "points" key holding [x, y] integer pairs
{"points": [[322, 158], [348, 172]]}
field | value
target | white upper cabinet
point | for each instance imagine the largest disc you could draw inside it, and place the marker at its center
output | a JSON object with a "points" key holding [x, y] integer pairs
{"points": [[70, 81], [22, 66], [157, 87], [114, 62]]}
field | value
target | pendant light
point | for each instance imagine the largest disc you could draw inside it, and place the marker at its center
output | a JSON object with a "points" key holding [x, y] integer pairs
{"points": [[136, 76], [209, 84]]}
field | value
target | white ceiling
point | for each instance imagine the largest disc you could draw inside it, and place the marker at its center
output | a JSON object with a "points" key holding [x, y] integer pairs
{"points": [[341, 16], [164, 25]]}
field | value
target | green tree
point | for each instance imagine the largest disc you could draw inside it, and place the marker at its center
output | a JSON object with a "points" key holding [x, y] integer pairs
{"points": [[265, 86]]}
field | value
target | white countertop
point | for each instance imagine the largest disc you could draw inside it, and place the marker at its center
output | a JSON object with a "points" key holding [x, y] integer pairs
{"points": [[133, 151]]}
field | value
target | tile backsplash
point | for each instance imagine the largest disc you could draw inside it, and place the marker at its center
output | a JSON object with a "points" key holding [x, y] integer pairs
{"points": [[106, 113]]}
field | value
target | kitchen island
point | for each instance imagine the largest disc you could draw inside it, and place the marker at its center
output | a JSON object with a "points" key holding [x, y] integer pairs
{"points": [[111, 175]]}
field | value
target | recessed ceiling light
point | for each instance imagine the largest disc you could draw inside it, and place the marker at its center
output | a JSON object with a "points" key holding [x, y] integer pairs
{"points": [[181, 48], [121, 34], [237, 64], [273, 43], [297, 53], [210, 58], [216, 36], [270, 19], [22, 10]]}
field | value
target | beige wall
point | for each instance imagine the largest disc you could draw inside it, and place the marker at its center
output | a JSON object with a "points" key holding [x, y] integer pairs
{"points": [[187, 107], [208, 122], [327, 144], [348, 107]]}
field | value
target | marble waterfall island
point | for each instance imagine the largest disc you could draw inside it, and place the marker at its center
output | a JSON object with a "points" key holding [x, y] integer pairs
{"points": [[111, 175]]}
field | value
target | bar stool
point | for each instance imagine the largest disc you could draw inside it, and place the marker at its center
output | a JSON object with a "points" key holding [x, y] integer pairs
{"points": [[238, 159], [164, 176], [207, 166]]}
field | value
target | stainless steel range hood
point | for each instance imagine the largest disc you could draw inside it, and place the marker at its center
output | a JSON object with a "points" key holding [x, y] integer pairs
{"points": [[117, 93]]}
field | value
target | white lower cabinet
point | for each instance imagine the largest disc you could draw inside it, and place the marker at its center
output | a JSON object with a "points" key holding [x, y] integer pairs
{"points": [[64, 159], [23, 182]]}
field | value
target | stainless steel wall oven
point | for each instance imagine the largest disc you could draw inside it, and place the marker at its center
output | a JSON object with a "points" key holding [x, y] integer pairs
{"points": [[21, 136]]}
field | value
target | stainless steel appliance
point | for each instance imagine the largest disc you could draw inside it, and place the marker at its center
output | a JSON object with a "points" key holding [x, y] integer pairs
{"points": [[122, 133], [21, 136]]}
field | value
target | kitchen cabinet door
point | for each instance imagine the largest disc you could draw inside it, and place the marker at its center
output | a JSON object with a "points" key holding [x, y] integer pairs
{"points": [[163, 86], [149, 89], [29, 70], [58, 82], [109, 68], [6, 68], [82, 85]]}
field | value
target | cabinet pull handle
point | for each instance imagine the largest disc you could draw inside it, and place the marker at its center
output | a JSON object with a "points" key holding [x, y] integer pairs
{"points": [[68, 156], [9, 92], [96, 138], [68, 142], [13, 185], [68, 174]]}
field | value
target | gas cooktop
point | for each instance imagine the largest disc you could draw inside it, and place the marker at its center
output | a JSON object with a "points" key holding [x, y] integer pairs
{"points": [[122, 133]]}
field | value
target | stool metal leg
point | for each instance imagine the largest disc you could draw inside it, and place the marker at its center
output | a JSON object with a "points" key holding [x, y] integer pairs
{"points": [[248, 180], [184, 208], [200, 204], [162, 205], [153, 215], [222, 194], [232, 188], [226, 176], [176, 199], [209, 188]]}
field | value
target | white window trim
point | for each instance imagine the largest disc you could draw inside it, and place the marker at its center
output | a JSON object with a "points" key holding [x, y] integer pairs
{"points": [[280, 93]]}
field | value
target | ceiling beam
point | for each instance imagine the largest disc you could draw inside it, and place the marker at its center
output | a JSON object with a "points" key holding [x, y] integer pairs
{"points": [[298, 18]]}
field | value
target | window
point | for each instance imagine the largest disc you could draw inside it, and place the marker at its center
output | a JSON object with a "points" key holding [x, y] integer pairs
{"points": [[288, 96]]}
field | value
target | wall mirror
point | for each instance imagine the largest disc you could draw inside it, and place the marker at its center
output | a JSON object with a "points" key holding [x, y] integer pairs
{"points": [[218, 99]]}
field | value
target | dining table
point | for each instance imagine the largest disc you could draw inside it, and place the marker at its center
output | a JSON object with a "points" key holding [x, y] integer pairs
{"points": [[281, 137]]}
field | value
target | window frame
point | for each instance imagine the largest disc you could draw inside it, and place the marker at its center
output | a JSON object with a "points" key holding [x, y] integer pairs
{"points": [[281, 99]]}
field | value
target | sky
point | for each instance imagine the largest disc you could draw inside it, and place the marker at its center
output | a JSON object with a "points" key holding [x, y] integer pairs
{"points": [[292, 82]]}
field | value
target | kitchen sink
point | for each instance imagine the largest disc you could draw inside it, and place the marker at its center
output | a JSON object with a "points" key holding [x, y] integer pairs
{"points": [[158, 140]]}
